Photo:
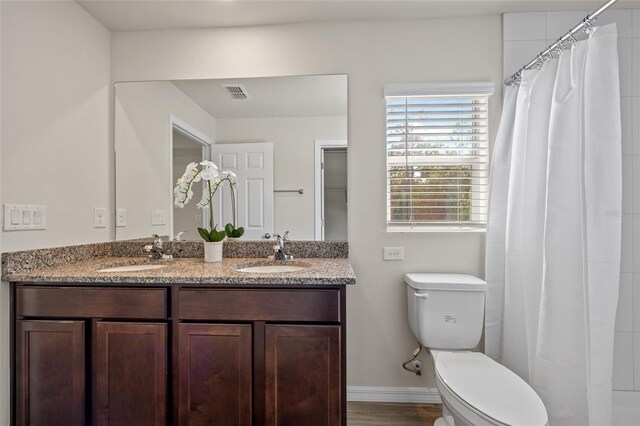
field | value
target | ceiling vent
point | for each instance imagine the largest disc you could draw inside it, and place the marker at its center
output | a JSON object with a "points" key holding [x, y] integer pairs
{"points": [[236, 91]]}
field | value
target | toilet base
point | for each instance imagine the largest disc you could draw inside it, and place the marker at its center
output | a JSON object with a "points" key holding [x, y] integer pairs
{"points": [[446, 419]]}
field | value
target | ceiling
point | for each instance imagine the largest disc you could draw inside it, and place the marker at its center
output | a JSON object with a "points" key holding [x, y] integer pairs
{"points": [[126, 15], [300, 96]]}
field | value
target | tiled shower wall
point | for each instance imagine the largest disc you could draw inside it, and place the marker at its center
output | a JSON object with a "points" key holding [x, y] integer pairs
{"points": [[524, 36]]}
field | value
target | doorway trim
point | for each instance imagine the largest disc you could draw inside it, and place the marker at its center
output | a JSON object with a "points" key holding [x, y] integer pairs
{"points": [[321, 144], [187, 130]]}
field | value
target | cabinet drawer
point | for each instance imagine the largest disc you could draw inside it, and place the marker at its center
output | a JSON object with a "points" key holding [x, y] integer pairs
{"points": [[260, 305], [77, 302]]}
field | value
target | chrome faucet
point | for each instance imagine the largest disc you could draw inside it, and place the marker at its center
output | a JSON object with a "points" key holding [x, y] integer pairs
{"points": [[155, 250], [280, 251]]}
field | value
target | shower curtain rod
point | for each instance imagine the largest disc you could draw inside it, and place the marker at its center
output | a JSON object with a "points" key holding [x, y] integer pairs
{"points": [[587, 23]]}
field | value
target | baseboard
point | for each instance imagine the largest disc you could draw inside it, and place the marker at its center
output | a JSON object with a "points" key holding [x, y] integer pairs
{"points": [[389, 394]]}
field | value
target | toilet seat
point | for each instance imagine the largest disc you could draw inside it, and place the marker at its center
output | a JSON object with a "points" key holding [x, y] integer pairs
{"points": [[487, 390]]}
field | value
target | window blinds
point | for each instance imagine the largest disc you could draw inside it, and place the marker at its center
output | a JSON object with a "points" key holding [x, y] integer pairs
{"points": [[437, 160]]}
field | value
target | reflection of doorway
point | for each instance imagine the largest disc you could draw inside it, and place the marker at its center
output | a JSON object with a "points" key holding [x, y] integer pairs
{"points": [[187, 145], [253, 165], [331, 196]]}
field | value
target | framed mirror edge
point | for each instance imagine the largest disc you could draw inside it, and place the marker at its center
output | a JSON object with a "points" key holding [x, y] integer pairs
{"points": [[180, 126]]}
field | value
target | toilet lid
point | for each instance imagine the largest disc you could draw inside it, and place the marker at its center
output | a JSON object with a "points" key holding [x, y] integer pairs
{"points": [[490, 388], [448, 282]]}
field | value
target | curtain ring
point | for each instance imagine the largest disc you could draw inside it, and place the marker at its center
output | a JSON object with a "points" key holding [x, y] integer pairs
{"points": [[517, 78], [572, 39], [588, 26], [539, 62], [557, 47]]}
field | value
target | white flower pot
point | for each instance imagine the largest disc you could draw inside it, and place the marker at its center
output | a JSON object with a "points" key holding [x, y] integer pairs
{"points": [[213, 251]]}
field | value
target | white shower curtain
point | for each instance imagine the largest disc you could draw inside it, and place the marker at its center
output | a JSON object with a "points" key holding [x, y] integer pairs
{"points": [[553, 237]]}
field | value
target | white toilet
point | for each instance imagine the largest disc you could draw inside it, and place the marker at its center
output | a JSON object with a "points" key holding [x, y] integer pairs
{"points": [[446, 313]]}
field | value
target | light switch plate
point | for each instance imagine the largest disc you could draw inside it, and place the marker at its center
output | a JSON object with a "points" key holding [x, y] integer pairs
{"points": [[99, 217], [393, 253], [24, 217]]}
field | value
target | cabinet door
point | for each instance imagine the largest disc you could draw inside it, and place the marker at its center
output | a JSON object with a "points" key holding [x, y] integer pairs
{"points": [[130, 373], [50, 373], [214, 374], [302, 375]]}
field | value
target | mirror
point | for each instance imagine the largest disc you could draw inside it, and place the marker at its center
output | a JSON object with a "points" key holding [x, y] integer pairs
{"points": [[285, 139]]}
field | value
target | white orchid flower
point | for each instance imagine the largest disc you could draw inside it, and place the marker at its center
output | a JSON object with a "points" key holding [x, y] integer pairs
{"points": [[208, 164], [206, 198], [228, 174], [193, 166], [209, 173], [214, 178]]}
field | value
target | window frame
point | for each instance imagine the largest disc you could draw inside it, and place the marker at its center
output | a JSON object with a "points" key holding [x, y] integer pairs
{"points": [[441, 90]]}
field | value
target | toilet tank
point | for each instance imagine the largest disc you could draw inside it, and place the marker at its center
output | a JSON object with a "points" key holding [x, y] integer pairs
{"points": [[446, 311]]}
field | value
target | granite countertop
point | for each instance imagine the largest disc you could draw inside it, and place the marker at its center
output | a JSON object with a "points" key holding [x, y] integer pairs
{"points": [[328, 271]]}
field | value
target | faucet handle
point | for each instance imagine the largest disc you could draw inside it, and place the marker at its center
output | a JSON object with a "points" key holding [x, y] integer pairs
{"points": [[179, 235], [285, 237], [157, 240]]}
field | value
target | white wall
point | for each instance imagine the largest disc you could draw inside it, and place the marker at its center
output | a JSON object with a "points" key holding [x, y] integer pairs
{"points": [[525, 35], [372, 54], [55, 120], [142, 135], [54, 139], [293, 141]]}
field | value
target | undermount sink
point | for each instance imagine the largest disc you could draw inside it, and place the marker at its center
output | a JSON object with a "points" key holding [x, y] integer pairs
{"points": [[132, 268], [271, 267]]}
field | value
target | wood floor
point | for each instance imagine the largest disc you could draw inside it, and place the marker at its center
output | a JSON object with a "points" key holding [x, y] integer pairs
{"points": [[389, 413]]}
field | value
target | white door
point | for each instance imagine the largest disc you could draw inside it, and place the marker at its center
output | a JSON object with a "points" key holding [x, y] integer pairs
{"points": [[253, 165]]}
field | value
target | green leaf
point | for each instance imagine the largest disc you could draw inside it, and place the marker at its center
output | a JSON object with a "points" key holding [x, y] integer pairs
{"points": [[204, 234], [237, 233], [229, 229], [217, 236]]}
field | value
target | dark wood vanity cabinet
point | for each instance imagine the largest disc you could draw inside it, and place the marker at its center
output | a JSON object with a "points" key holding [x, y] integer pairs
{"points": [[276, 359], [89, 355], [214, 374], [129, 374], [302, 374], [179, 355], [50, 372]]}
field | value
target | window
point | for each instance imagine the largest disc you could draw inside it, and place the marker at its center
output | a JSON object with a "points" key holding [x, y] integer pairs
{"points": [[437, 155]]}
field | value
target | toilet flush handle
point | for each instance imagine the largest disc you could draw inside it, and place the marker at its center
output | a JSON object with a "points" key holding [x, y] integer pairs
{"points": [[421, 295]]}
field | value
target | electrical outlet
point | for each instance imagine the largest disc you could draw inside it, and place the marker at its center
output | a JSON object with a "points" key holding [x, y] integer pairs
{"points": [[121, 217], [99, 217], [158, 217], [393, 253]]}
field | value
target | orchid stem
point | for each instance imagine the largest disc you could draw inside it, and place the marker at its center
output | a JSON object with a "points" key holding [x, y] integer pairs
{"points": [[210, 205], [233, 204]]}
